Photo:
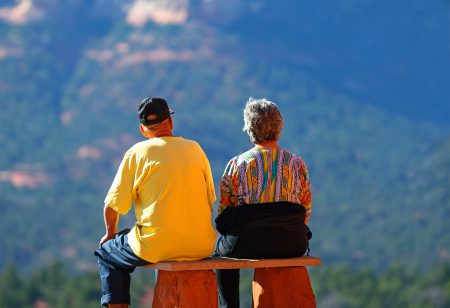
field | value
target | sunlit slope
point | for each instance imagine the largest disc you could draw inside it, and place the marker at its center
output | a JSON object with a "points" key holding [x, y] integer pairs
{"points": [[380, 182]]}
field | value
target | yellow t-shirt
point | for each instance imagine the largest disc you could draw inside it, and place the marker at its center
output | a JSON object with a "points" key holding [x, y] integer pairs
{"points": [[169, 180]]}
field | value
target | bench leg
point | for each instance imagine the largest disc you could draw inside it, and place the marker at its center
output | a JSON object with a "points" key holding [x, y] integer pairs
{"points": [[185, 289], [284, 287]]}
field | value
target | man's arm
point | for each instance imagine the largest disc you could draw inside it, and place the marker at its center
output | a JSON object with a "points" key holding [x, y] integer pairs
{"points": [[111, 218]]}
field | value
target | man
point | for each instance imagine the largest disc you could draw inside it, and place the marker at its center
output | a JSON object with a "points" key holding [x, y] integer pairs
{"points": [[169, 180]]}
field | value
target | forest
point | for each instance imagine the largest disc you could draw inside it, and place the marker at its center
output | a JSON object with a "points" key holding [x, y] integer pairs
{"points": [[334, 287]]}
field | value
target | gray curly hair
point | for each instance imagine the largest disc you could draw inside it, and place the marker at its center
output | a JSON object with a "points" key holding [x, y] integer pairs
{"points": [[262, 120]]}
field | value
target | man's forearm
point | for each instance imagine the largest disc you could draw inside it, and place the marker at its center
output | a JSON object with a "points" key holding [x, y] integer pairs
{"points": [[111, 218]]}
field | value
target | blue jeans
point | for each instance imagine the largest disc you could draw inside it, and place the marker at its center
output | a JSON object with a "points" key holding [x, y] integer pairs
{"points": [[117, 261]]}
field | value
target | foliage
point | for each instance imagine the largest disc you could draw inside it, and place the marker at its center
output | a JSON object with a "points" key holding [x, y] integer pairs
{"points": [[339, 286], [334, 286], [55, 286]]}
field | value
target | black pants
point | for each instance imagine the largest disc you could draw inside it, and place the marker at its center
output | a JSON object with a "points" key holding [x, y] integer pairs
{"points": [[254, 244]]}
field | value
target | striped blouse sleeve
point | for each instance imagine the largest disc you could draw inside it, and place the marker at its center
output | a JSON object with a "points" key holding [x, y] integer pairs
{"points": [[305, 197], [228, 186]]}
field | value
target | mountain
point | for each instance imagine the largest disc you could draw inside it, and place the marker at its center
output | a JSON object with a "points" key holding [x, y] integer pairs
{"points": [[362, 92]]}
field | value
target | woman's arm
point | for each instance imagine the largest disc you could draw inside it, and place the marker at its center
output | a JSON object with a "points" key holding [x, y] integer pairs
{"points": [[228, 186], [305, 197]]}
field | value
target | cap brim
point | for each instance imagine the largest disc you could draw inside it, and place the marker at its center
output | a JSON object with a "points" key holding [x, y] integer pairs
{"points": [[171, 111]]}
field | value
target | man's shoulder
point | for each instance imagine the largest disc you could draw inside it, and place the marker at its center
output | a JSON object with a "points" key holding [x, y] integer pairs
{"points": [[138, 146], [162, 141], [175, 143], [190, 143]]}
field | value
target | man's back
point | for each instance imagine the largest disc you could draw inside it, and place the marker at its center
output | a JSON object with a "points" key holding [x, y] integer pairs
{"points": [[169, 180]]}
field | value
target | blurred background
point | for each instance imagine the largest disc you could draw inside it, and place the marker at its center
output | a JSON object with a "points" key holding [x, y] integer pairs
{"points": [[363, 86]]}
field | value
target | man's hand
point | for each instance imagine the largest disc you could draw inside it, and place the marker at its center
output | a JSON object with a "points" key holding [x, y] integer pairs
{"points": [[105, 238]]}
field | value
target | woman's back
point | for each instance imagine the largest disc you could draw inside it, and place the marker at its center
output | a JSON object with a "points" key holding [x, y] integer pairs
{"points": [[264, 176], [265, 199]]}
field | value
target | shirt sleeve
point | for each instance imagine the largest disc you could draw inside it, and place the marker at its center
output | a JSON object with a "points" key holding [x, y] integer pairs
{"points": [[228, 186], [209, 179], [120, 194], [305, 197]]}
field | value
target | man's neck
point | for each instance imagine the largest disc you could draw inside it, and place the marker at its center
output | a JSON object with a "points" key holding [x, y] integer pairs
{"points": [[162, 133]]}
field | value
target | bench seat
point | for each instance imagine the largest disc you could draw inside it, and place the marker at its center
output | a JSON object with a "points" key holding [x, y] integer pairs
{"points": [[276, 282], [231, 263]]}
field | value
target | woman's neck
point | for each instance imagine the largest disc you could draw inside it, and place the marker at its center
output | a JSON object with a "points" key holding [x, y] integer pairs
{"points": [[270, 145]]}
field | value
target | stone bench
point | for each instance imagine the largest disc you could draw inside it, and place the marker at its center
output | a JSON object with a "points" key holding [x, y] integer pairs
{"points": [[276, 282]]}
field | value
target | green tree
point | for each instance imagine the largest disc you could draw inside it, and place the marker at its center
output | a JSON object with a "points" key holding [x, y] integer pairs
{"points": [[13, 291]]}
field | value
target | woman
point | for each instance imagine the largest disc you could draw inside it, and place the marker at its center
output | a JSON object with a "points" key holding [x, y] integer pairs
{"points": [[265, 199]]}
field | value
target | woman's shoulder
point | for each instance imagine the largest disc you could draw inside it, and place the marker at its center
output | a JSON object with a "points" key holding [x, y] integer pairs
{"points": [[239, 161], [242, 157], [291, 154], [253, 155]]}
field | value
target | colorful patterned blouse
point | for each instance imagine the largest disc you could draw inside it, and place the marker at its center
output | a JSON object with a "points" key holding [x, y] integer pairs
{"points": [[262, 175]]}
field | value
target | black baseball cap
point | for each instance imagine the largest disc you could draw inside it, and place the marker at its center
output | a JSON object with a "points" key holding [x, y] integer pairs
{"points": [[155, 106]]}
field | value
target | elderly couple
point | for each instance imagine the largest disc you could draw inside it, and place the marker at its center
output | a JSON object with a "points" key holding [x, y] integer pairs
{"points": [[264, 207]]}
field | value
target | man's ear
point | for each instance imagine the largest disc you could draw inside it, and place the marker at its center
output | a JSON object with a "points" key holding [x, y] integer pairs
{"points": [[143, 131]]}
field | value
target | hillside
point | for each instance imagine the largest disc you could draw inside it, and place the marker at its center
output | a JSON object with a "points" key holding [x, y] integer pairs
{"points": [[71, 77]]}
